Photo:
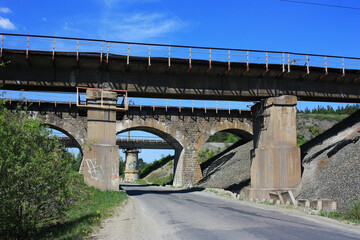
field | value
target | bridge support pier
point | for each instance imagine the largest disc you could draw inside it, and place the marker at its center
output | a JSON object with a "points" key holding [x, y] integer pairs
{"points": [[131, 165], [101, 167], [275, 158]]}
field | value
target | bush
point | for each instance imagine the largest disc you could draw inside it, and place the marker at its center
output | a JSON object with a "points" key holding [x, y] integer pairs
{"points": [[354, 213], [206, 155], [35, 176]]}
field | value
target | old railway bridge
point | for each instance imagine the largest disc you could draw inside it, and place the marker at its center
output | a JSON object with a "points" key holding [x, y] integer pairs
{"points": [[107, 70]]}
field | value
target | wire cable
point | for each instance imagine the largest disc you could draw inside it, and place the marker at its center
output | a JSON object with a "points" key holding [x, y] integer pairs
{"points": [[320, 4]]}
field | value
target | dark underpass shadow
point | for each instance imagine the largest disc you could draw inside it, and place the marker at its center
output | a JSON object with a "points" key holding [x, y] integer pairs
{"points": [[145, 189]]}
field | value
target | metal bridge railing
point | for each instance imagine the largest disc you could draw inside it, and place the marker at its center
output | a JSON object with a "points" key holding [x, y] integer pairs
{"points": [[141, 139], [105, 49], [79, 99]]}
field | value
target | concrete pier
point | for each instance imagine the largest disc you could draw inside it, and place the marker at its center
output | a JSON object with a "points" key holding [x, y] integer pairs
{"points": [[276, 156], [131, 165], [101, 155]]}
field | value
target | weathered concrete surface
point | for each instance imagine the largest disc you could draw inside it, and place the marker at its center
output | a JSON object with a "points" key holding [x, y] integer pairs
{"points": [[101, 152], [276, 157], [131, 165], [230, 170], [331, 164], [187, 133]]}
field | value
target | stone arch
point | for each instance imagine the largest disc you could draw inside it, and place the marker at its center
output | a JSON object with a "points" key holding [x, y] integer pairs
{"points": [[190, 132], [165, 136], [242, 129], [73, 126], [72, 138]]}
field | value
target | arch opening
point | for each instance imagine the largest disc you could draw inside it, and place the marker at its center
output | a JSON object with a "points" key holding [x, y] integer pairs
{"points": [[159, 153], [221, 142], [225, 159], [70, 142]]}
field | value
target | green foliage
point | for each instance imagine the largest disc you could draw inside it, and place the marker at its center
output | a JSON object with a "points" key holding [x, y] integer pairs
{"points": [[300, 139], [155, 165], [267, 203], [231, 138], [140, 181], [86, 213], [169, 179], [141, 164], [206, 155], [331, 214], [315, 131], [354, 213], [347, 110], [35, 176], [223, 137], [75, 161], [121, 167]]}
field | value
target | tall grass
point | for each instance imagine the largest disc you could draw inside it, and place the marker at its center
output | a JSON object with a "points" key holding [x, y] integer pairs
{"points": [[86, 213]]}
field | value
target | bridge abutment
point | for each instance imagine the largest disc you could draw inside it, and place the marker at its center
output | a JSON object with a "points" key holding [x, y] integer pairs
{"points": [[131, 165], [276, 156], [101, 167]]}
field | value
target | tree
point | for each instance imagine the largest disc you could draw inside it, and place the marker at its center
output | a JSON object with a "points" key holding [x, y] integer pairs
{"points": [[121, 167], [141, 164], [35, 176]]}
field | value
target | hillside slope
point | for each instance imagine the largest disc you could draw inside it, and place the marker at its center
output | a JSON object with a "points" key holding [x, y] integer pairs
{"points": [[331, 164], [229, 169]]}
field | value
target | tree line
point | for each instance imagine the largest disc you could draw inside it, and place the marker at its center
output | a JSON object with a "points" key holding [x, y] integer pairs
{"points": [[347, 110]]}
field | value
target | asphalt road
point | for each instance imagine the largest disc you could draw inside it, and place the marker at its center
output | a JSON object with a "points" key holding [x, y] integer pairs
{"points": [[187, 214]]}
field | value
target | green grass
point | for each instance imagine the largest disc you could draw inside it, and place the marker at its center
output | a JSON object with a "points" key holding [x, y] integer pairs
{"points": [[320, 116], [267, 203], [300, 139], [165, 181], [85, 214], [155, 165], [141, 182], [351, 216]]}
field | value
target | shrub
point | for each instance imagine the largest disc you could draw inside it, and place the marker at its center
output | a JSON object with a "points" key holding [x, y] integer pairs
{"points": [[354, 213], [34, 176]]}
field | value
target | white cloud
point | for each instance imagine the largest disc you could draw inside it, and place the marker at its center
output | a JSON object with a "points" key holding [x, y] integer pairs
{"points": [[5, 10], [139, 26], [44, 19], [6, 24]]}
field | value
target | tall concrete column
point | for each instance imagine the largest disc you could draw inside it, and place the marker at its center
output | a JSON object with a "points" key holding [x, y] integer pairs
{"points": [[131, 165], [101, 166], [275, 157]]}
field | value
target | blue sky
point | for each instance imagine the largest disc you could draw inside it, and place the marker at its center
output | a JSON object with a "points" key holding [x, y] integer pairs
{"points": [[249, 24], [246, 24]]}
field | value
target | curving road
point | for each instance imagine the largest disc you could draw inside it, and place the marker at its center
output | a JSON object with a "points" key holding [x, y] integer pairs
{"points": [[167, 213]]}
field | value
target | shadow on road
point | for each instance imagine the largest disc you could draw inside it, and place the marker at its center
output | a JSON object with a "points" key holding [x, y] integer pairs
{"points": [[136, 190]]}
